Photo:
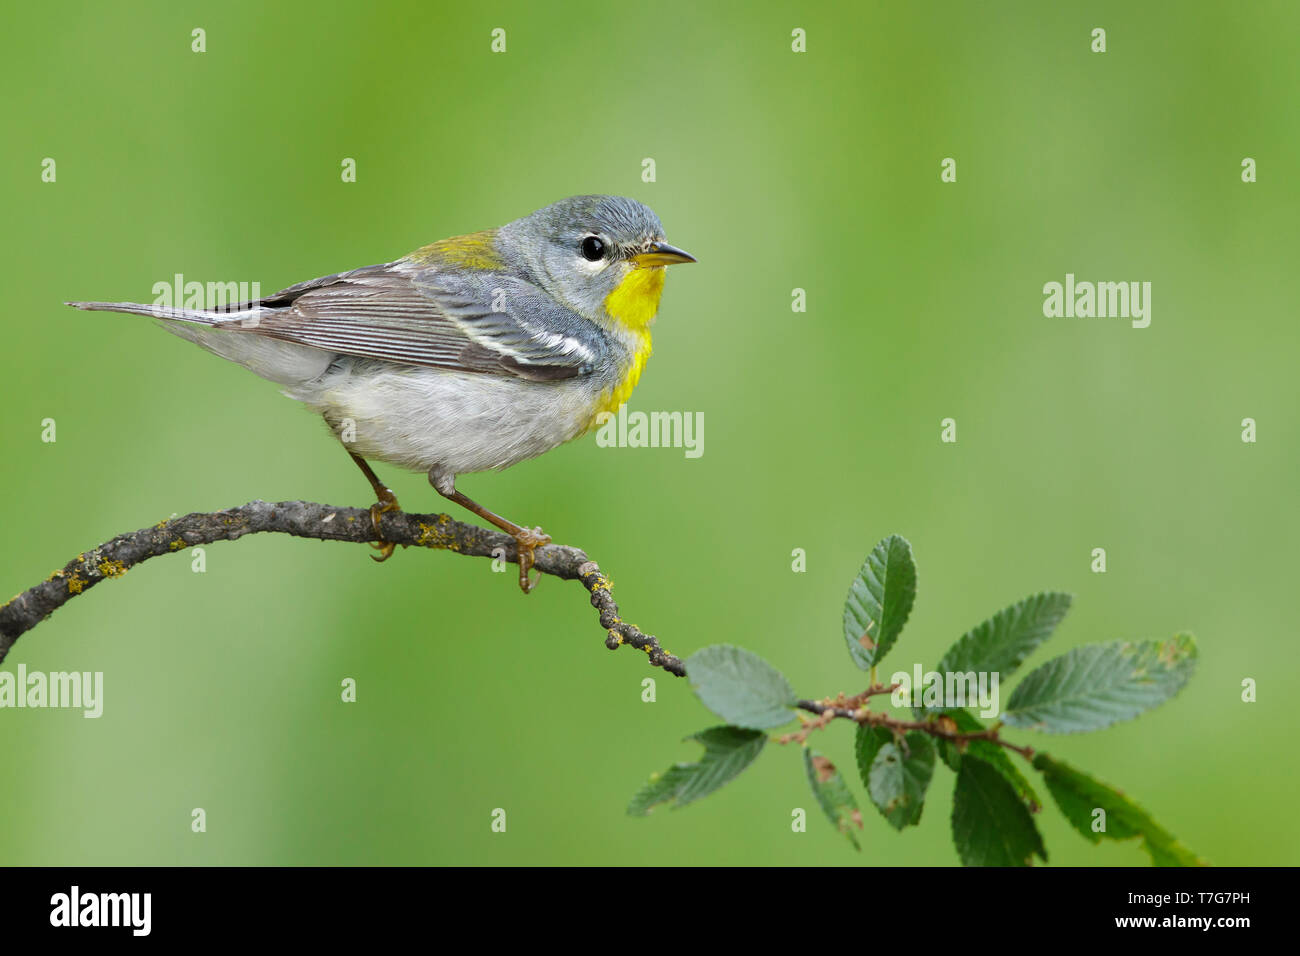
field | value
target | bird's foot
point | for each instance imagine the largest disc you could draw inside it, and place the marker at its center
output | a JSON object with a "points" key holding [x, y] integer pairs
{"points": [[381, 507], [526, 542]]}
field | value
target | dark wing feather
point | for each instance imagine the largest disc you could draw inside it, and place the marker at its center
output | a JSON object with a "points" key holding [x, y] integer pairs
{"points": [[481, 322]]}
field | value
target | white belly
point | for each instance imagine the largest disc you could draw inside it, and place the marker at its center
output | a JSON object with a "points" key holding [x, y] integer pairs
{"points": [[447, 423]]}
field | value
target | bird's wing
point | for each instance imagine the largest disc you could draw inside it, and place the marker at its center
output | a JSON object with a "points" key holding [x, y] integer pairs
{"points": [[486, 322]]}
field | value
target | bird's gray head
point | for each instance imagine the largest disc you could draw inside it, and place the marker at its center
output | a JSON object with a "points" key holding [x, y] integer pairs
{"points": [[582, 249]]}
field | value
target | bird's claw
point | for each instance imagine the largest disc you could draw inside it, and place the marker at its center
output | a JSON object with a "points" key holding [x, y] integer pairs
{"points": [[526, 542], [385, 548]]}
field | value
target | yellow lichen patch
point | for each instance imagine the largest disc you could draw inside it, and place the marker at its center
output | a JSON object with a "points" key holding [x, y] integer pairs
{"points": [[111, 569], [474, 251], [433, 537], [75, 584], [176, 545]]}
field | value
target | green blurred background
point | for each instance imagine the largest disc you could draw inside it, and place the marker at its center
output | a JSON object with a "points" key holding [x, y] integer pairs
{"points": [[778, 170]]}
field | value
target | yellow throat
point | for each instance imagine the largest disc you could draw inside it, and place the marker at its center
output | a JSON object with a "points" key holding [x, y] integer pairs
{"points": [[632, 306]]}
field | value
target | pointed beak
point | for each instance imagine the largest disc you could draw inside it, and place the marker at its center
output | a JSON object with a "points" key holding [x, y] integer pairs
{"points": [[662, 254]]}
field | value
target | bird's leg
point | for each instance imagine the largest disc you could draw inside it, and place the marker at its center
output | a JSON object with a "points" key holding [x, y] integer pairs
{"points": [[526, 541], [387, 501]]}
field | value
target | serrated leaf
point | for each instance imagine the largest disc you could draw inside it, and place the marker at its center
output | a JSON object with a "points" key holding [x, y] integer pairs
{"points": [[866, 745], [1000, 644], [900, 775], [661, 788], [998, 759], [727, 751], [879, 601], [1079, 796], [833, 795], [740, 687], [990, 824], [1101, 684], [964, 722]]}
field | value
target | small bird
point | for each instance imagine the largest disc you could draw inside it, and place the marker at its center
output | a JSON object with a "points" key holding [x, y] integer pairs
{"points": [[470, 354]]}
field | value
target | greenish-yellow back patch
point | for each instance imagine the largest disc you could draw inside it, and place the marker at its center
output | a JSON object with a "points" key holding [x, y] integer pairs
{"points": [[475, 251]]}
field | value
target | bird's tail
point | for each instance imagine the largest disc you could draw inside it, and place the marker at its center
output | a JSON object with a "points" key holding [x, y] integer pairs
{"points": [[238, 317], [225, 333]]}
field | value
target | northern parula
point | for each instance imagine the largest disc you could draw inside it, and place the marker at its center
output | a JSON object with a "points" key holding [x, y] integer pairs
{"points": [[470, 354]]}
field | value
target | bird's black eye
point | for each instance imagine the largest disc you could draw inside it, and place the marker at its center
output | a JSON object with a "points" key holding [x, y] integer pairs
{"points": [[593, 249]]}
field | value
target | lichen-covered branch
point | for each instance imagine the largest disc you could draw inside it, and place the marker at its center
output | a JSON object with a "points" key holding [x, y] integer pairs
{"points": [[304, 519]]}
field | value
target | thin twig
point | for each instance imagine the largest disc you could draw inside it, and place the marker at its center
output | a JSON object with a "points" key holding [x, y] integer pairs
{"points": [[305, 519], [850, 708]]}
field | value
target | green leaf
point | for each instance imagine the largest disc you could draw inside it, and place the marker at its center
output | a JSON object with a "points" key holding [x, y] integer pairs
{"points": [[727, 751], [1079, 796], [833, 795], [990, 753], [997, 758], [990, 823], [662, 788], [1100, 684], [866, 745], [879, 601], [1001, 644], [740, 687], [899, 777], [949, 753]]}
